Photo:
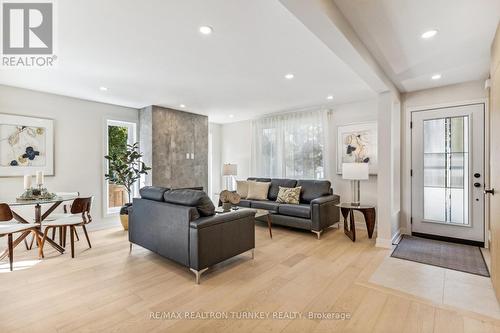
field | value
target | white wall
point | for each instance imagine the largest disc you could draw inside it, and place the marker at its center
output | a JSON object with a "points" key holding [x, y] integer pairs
{"points": [[79, 130], [237, 145], [214, 161], [455, 94]]}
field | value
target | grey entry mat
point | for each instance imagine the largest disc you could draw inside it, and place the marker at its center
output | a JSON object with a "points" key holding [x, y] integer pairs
{"points": [[459, 257]]}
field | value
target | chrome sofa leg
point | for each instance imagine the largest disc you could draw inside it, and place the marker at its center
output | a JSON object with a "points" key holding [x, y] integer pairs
{"points": [[318, 233], [130, 251], [253, 253], [197, 274]]}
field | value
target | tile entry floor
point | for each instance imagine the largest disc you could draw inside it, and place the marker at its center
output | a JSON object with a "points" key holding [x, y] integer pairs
{"points": [[439, 285]]}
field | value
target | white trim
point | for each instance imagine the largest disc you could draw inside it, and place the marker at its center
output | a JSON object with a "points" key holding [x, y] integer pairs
{"points": [[397, 236], [405, 171]]}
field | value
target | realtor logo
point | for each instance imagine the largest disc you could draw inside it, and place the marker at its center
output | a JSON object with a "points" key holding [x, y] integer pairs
{"points": [[27, 28], [28, 34]]}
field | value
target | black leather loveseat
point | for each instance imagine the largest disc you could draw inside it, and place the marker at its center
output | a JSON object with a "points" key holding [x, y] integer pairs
{"points": [[317, 209], [181, 225]]}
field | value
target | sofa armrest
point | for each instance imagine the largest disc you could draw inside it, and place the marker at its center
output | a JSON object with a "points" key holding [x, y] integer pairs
{"points": [[209, 221], [217, 238], [324, 212], [326, 199]]}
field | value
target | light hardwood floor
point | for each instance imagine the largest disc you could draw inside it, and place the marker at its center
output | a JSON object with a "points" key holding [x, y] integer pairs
{"points": [[106, 289]]}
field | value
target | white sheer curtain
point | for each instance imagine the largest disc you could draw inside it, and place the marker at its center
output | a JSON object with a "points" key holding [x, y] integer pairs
{"points": [[291, 145]]}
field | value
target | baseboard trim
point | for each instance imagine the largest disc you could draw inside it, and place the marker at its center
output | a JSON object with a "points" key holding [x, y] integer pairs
{"points": [[397, 237]]}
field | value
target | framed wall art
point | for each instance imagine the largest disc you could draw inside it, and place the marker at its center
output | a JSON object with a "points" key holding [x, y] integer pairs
{"points": [[357, 143], [26, 145]]}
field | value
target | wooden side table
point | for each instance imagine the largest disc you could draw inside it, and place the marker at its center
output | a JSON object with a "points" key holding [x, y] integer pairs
{"points": [[368, 211]]}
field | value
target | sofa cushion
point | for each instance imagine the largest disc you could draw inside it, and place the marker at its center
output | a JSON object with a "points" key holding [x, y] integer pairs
{"points": [[191, 198], [258, 190], [245, 203], [242, 188], [312, 189], [267, 205], [302, 210], [153, 192], [262, 180], [276, 183], [289, 195]]}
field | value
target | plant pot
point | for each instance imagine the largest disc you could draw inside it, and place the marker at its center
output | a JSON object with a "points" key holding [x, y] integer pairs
{"points": [[124, 211]]}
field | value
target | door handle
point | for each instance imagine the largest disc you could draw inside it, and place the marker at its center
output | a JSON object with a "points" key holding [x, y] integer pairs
{"points": [[490, 191]]}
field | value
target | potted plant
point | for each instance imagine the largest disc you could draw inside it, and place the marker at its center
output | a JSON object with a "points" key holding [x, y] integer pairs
{"points": [[125, 168]]}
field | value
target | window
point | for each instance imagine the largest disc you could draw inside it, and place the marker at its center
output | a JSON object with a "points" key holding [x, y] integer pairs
{"points": [[118, 135], [290, 145]]}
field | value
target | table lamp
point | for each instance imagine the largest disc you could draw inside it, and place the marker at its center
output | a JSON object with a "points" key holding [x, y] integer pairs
{"points": [[355, 172], [229, 171]]}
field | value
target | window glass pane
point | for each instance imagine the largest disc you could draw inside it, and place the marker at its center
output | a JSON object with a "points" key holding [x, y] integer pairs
{"points": [[446, 170], [434, 170], [117, 144], [434, 136], [434, 203]]}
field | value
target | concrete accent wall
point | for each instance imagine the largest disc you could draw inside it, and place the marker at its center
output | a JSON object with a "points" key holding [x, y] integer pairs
{"points": [[179, 147]]}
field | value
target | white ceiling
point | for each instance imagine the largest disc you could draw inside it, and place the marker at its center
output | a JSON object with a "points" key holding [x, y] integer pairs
{"points": [[150, 52], [391, 30]]}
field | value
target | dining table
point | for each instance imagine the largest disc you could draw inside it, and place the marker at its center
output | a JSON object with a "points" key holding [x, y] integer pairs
{"points": [[38, 218]]}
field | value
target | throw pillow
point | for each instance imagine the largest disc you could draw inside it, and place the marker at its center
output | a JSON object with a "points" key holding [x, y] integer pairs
{"points": [[289, 195], [242, 188], [258, 190]]}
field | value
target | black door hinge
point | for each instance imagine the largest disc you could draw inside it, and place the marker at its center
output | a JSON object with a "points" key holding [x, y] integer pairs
{"points": [[411, 220], [411, 124], [411, 172]]}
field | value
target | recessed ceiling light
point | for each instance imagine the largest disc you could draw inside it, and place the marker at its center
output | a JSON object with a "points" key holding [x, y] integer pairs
{"points": [[206, 30], [330, 97], [182, 106], [289, 76], [436, 76], [429, 34], [231, 116], [103, 89]]}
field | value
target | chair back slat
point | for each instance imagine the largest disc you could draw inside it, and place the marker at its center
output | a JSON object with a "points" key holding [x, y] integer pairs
{"points": [[81, 205], [5, 213]]}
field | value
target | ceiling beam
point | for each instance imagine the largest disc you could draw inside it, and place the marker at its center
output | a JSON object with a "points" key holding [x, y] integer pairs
{"points": [[325, 20]]}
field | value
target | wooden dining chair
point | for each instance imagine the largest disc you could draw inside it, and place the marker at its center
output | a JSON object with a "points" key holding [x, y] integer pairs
{"points": [[66, 213], [8, 227], [56, 216], [80, 217]]}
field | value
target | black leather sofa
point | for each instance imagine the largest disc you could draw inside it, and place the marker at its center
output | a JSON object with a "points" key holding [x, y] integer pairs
{"points": [[181, 225], [317, 209]]}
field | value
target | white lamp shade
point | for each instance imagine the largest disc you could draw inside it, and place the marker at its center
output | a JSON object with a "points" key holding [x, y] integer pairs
{"points": [[230, 170], [355, 171]]}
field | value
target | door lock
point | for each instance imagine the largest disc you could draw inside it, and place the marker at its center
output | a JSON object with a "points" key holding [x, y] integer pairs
{"points": [[490, 191], [477, 175], [477, 184]]}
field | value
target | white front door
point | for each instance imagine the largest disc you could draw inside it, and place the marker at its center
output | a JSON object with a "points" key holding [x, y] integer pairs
{"points": [[448, 172]]}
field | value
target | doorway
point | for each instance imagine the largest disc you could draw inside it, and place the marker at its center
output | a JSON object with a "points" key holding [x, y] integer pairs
{"points": [[447, 174]]}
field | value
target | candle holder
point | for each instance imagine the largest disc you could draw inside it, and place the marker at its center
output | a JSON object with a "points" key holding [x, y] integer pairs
{"points": [[38, 193]]}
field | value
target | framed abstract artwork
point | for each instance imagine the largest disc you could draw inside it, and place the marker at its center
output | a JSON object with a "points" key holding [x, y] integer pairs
{"points": [[26, 145], [357, 143]]}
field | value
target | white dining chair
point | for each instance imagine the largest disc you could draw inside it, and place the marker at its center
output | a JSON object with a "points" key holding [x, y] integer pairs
{"points": [[9, 226]]}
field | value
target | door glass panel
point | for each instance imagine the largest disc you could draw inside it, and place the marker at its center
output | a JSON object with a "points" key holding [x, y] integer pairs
{"points": [[446, 170]]}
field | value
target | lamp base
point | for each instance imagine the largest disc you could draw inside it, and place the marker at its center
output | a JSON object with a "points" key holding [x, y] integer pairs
{"points": [[355, 193]]}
